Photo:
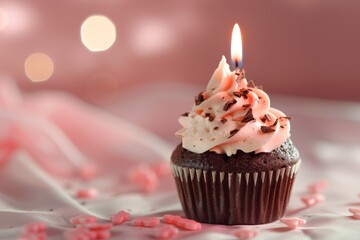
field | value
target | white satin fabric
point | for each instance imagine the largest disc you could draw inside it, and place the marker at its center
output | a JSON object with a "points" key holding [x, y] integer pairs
{"points": [[59, 141]]}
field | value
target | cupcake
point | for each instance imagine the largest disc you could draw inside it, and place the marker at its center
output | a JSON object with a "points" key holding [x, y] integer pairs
{"points": [[236, 163]]}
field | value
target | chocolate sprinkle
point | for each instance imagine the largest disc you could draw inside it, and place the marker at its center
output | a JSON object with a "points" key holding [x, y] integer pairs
{"points": [[269, 129], [274, 124], [229, 104], [248, 116], [211, 118], [233, 132], [223, 120], [199, 99], [267, 117], [186, 114], [216, 128], [246, 106], [266, 129], [242, 93], [286, 117]]}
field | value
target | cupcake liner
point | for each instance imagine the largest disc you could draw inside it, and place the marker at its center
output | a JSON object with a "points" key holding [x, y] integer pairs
{"points": [[234, 198]]}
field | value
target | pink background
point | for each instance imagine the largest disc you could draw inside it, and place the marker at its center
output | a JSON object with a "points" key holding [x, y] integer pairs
{"points": [[294, 47], [164, 54]]}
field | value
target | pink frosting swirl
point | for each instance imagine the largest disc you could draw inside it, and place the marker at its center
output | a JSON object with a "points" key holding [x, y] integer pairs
{"points": [[232, 115]]}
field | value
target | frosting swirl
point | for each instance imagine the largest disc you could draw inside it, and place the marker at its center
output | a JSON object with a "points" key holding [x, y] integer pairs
{"points": [[231, 115]]}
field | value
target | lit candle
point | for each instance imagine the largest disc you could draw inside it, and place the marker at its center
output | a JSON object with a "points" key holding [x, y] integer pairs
{"points": [[236, 47]]}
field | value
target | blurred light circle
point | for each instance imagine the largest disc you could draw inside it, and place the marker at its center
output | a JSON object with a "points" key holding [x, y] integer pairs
{"points": [[3, 19], [39, 67], [98, 33]]}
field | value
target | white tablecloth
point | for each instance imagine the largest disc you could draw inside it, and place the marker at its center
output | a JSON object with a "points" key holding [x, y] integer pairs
{"points": [[59, 136]]}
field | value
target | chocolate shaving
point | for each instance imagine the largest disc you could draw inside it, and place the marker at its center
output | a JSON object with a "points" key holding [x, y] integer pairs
{"points": [[223, 120], [286, 117], [248, 116], [233, 132], [269, 129], [274, 124], [211, 118], [266, 129], [229, 104], [242, 93], [265, 118], [186, 114], [199, 99], [282, 126], [216, 128], [246, 106]]}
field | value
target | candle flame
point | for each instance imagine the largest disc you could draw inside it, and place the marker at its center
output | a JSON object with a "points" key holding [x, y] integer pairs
{"points": [[236, 45]]}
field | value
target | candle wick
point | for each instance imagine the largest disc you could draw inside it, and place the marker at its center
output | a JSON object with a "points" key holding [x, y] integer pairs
{"points": [[237, 70]]}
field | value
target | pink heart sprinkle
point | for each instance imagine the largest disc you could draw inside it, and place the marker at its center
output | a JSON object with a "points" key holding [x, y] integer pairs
{"points": [[184, 223], [170, 219], [82, 234], [104, 234], [145, 222], [246, 233], [95, 226], [165, 232], [161, 169], [36, 227], [355, 211], [82, 219], [87, 193], [293, 222], [318, 186], [120, 217], [144, 177], [188, 224], [312, 199]]}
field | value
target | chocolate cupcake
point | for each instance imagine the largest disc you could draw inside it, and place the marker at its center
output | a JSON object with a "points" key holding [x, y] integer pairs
{"points": [[236, 163]]}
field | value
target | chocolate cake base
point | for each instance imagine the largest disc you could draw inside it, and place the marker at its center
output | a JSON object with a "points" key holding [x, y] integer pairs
{"points": [[245, 192]]}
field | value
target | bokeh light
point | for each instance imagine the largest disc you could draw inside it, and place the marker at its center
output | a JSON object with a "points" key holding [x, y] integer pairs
{"points": [[39, 67], [3, 19], [98, 33]]}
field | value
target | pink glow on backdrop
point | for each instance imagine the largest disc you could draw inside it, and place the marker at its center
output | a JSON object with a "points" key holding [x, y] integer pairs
{"points": [[306, 48]]}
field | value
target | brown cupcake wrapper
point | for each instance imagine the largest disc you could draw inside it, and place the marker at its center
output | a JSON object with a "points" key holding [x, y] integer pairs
{"points": [[234, 198]]}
